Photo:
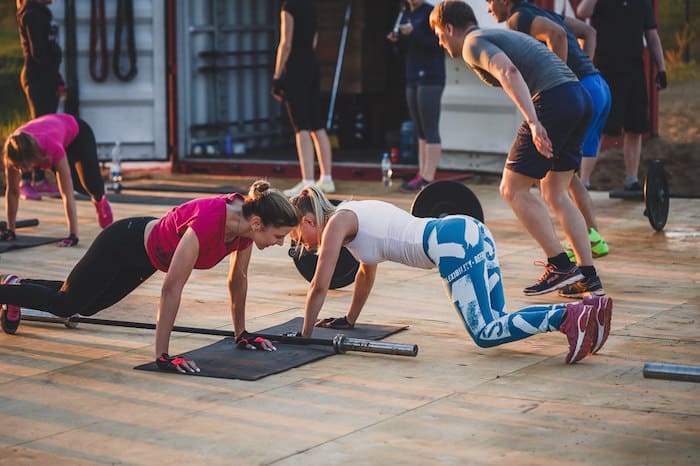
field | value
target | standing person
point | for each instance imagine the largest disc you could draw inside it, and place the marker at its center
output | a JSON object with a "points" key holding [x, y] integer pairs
{"points": [[464, 252], [554, 30], [547, 148], [425, 81], [66, 145], [40, 78], [297, 81], [195, 235], [622, 27]]}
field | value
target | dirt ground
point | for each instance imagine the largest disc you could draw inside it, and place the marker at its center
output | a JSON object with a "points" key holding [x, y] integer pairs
{"points": [[678, 144]]}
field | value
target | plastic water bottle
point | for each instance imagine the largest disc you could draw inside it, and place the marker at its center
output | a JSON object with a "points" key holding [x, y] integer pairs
{"points": [[115, 168], [386, 170]]}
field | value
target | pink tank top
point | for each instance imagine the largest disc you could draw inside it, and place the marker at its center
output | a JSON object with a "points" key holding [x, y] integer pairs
{"points": [[207, 218], [53, 133]]}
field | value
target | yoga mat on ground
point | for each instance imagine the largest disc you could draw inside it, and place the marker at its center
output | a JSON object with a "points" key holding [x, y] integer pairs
{"points": [[166, 187], [121, 198], [223, 360], [26, 241]]}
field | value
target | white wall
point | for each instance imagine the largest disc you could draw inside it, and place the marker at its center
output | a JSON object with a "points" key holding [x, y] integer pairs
{"points": [[134, 112]]}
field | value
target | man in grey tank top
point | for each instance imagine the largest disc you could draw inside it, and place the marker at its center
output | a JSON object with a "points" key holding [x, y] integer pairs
{"points": [[547, 148]]}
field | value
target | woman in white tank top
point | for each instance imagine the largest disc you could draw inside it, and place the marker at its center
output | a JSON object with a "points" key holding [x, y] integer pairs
{"points": [[463, 251]]}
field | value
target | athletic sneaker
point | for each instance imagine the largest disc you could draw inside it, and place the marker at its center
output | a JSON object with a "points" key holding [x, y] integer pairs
{"points": [[10, 315], [599, 247], [27, 192], [104, 212], [46, 188], [414, 185], [295, 190], [328, 187], [587, 286], [580, 330], [602, 315], [553, 278], [634, 187]]}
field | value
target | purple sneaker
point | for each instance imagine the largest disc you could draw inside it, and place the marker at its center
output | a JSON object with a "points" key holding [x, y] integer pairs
{"points": [[10, 315], [27, 192], [414, 185], [602, 314], [46, 188], [580, 330], [104, 212]]}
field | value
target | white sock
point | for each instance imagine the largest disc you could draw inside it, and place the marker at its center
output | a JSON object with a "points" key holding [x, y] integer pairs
{"points": [[327, 178], [305, 183]]}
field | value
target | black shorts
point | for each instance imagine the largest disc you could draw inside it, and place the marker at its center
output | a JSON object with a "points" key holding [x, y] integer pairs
{"points": [[630, 102], [565, 112], [302, 95]]}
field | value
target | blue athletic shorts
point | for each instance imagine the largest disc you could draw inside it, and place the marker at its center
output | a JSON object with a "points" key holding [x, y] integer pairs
{"points": [[600, 96]]}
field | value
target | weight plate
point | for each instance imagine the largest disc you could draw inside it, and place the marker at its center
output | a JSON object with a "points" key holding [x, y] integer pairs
{"points": [[345, 269], [656, 195], [447, 197]]}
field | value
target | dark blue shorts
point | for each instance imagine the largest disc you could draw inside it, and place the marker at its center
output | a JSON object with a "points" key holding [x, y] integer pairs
{"points": [[565, 112]]}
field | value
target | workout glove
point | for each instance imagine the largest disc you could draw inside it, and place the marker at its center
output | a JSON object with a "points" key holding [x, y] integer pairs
{"points": [[72, 240], [661, 82], [335, 322], [175, 364], [245, 339], [7, 235]]}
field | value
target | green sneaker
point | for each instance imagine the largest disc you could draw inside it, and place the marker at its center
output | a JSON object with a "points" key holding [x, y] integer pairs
{"points": [[599, 247]]}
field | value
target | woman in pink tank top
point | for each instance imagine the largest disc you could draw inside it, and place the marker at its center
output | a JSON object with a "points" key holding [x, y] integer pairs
{"points": [[66, 145], [195, 235]]}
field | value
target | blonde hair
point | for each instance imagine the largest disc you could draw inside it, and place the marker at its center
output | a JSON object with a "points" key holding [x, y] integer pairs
{"points": [[311, 200], [270, 205], [21, 151]]}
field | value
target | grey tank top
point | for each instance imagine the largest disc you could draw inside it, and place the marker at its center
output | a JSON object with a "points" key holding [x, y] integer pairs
{"points": [[541, 68]]}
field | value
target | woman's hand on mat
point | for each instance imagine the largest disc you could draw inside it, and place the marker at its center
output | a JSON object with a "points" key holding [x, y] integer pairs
{"points": [[335, 322], [165, 362], [72, 240], [7, 235], [252, 341]]}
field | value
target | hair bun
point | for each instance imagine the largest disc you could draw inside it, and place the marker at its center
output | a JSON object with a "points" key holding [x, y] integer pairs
{"points": [[258, 189]]}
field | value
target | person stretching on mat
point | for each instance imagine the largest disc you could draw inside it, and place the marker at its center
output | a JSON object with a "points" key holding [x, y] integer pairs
{"points": [[65, 144], [463, 250], [195, 235]]}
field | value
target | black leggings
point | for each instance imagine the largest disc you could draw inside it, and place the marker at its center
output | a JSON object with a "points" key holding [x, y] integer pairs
{"points": [[42, 98], [115, 264], [84, 166]]}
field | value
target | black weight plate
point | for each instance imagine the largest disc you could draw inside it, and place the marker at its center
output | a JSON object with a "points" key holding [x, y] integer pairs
{"points": [[447, 197], [345, 269], [656, 195]]}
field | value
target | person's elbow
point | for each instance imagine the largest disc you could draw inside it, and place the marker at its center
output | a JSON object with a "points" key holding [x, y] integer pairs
{"points": [[584, 11]]}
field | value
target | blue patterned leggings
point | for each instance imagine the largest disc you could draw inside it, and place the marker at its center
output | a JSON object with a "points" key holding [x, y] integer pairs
{"points": [[465, 254]]}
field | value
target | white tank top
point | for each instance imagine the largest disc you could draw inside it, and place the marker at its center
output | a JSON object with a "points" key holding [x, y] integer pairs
{"points": [[387, 233]]}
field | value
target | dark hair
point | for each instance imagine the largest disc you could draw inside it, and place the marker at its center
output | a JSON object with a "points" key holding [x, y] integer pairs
{"points": [[270, 205], [454, 12], [21, 150]]}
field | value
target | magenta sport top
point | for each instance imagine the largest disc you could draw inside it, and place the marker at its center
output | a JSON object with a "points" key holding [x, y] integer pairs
{"points": [[53, 133], [207, 218]]}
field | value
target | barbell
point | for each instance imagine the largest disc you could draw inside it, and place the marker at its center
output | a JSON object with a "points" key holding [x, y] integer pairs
{"points": [[436, 200]]}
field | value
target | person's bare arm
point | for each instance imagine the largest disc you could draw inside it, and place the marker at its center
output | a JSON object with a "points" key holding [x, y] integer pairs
{"points": [[655, 49], [12, 180], [553, 35], [285, 46], [585, 8], [65, 186], [364, 281], [503, 69], [584, 32]]}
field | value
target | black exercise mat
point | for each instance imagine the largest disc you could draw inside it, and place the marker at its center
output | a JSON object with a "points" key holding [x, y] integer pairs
{"points": [[26, 241], [176, 188], [140, 199], [223, 360]]}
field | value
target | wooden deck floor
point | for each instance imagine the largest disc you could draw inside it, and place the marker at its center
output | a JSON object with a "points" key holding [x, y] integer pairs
{"points": [[72, 397]]}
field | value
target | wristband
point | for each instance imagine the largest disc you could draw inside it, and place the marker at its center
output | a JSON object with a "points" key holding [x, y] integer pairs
{"points": [[8, 235], [72, 240]]}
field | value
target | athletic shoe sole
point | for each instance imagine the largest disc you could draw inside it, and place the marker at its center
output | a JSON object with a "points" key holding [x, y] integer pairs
{"points": [[556, 287], [602, 314], [582, 294], [587, 329]]}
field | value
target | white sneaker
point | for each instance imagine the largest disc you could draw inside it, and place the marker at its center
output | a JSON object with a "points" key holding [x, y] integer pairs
{"points": [[328, 187], [295, 190]]}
